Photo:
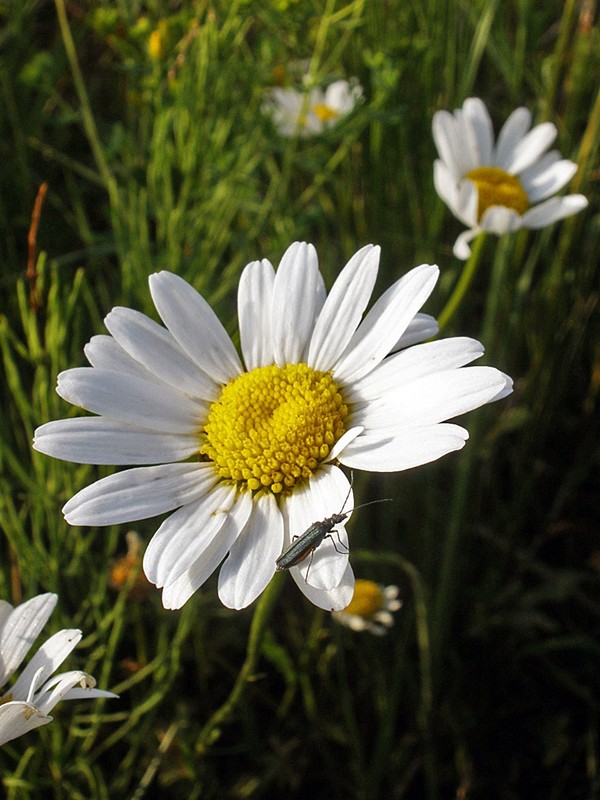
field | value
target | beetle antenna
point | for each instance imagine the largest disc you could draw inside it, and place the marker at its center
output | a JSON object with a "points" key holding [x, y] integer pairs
{"points": [[372, 502], [349, 490]]}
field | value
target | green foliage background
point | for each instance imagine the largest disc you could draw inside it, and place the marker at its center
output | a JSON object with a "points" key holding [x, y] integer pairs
{"points": [[145, 121]]}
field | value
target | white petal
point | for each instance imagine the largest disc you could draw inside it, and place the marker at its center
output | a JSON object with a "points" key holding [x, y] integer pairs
{"points": [[130, 399], [47, 659], [61, 687], [512, 132], [420, 328], [251, 561], [189, 533], [20, 629], [411, 448], [97, 440], [553, 209], [327, 493], [17, 718], [325, 568], [103, 352], [255, 297], [467, 202], [342, 95], [285, 106], [343, 308], [344, 439], [547, 176], [139, 493], [528, 176], [332, 600], [531, 147], [78, 693], [500, 220], [432, 398], [444, 128], [481, 130], [460, 195], [75, 685], [179, 592], [385, 323], [158, 351], [195, 326], [461, 247], [446, 184], [463, 141], [409, 365], [505, 390], [298, 296]]}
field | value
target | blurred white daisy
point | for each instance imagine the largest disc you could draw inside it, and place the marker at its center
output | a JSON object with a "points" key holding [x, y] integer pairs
{"points": [[312, 112], [28, 702], [371, 608], [249, 453], [504, 186]]}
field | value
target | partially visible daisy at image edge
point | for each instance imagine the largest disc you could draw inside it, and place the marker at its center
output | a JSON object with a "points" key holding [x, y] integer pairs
{"points": [[503, 186], [28, 702], [309, 113], [248, 455], [371, 608]]}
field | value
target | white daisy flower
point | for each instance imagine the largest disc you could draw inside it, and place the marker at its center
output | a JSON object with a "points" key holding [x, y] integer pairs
{"points": [[28, 702], [499, 187], [310, 113], [371, 608], [249, 453]]}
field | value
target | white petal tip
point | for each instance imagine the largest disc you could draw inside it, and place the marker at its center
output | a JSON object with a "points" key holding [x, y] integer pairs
{"points": [[344, 441]]}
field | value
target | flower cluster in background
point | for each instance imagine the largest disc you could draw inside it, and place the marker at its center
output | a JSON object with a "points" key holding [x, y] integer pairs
{"points": [[28, 702], [310, 113], [503, 186], [371, 608]]}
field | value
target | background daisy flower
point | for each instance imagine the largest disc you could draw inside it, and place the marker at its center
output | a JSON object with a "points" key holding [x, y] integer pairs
{"points": [[27, 704], [247, 456], [501, 187], [371, 608], [310, 113]]}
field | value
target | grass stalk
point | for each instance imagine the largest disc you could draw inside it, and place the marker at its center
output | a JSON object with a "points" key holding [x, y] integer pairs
{"points": [[262, 613]]}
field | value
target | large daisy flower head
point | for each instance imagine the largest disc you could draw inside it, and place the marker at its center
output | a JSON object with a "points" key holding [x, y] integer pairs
{"points": [[503, 186], [28, 702], [248, 455], [310, 113]]}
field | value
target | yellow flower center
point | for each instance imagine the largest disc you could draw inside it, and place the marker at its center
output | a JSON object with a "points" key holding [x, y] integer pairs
{"points": [[495, 187], [273, 426], [323, 112], [367, 600]]}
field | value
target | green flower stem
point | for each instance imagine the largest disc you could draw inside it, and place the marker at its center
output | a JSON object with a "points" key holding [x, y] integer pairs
{"points": [[321, 39], [352, 727], [264, 607], [311, 646], [154, 765], [460, 290], [387, 727], [588, 150], [588, 147], [459, 522]]}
